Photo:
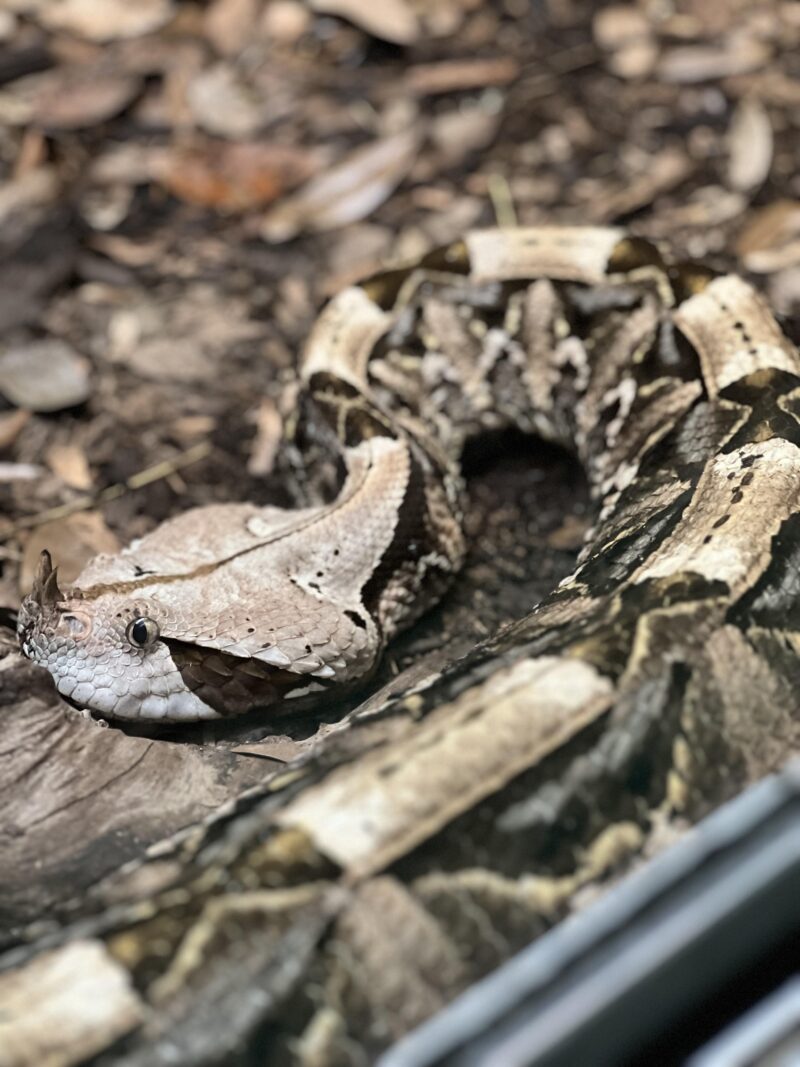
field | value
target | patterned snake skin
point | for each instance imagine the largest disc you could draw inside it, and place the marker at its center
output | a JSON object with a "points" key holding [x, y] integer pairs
{"points": [[419, 843]]}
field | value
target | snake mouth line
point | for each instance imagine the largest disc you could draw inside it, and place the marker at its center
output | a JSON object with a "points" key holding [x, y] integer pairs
{"points": [[231, 685]]}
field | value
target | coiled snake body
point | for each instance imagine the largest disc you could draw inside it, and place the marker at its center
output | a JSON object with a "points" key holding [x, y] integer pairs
{"points": [[676, 388], [418, 843]]}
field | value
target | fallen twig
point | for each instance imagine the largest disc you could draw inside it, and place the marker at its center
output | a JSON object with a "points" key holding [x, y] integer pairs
{"points": [[136, 481]]}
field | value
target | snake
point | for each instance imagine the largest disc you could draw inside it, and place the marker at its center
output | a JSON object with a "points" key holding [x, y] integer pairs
{"points": [[672, 383]]}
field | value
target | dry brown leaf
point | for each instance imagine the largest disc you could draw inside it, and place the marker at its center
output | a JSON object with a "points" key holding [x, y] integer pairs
{"points": [[349, 191], [229, 24], [105, 20], [71, 98], [11, 425], [69, 462], [391, 20], [45, 375], [71, 542], [751, 146], [770, 240], [231, 176]]}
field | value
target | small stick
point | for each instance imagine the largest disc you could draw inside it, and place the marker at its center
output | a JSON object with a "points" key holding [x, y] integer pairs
{"points": [[502, 201], [136, 481]]}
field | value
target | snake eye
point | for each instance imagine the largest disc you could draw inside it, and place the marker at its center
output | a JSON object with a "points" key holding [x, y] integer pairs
{"points": [[142, 632]]}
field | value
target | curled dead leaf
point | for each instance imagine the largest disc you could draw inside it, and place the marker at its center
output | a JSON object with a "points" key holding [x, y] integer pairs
{"points": [[231, 176], [68, 461], [349, 191]]}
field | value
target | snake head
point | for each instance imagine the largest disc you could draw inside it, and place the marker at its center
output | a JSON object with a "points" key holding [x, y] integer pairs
{"points": [[103, 653], [133, 650], [228, 607]]}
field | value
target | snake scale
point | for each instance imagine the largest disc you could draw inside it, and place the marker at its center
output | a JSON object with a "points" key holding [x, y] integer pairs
{"points": [[657, 678]]}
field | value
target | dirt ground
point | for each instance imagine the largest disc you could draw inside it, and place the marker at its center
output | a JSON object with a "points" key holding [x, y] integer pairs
{"points": [[182, 185]]}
